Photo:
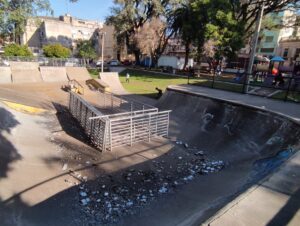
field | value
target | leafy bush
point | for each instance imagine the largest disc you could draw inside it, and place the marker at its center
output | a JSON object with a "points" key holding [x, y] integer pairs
{"points": [[86, 50], [17, 50], [56, 51]]}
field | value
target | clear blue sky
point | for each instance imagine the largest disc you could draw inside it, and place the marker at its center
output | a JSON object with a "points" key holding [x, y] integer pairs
{"points": [[83, 9]]}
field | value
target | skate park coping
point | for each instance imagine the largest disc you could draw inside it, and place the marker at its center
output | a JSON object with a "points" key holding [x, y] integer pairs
{"points": [[290, 111]]}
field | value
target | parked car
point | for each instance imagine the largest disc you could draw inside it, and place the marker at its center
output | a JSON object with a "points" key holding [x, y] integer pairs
{"points": [[99, 63], [127, 62], [114, 63]]}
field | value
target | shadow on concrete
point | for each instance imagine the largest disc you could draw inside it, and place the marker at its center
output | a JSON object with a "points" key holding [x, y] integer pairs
{"points": [[8, 153], [288, 211], [233, 134], [286, 186], [68, 124]]}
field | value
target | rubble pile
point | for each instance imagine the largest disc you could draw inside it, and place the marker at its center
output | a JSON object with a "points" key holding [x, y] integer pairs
{"points": [[128, 191]]}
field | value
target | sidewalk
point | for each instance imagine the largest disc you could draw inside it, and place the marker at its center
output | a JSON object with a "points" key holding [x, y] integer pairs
{"points": [[286, 109], [276, 199]]}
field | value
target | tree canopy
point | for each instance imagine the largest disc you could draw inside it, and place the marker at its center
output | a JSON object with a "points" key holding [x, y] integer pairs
{"points": [[129, 16], [14, 14], [86, 49], [56, 51]]}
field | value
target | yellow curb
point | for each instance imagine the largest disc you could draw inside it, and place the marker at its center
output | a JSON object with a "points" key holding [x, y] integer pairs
{"points": [[24, 108]]}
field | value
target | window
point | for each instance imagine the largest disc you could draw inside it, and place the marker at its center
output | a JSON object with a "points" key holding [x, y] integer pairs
{"points": [[269, 38], [267, 50], [285, 52]]}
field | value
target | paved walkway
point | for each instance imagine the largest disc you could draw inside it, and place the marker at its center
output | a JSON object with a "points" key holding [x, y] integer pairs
{"points": [[287, 109], [275, 200]]}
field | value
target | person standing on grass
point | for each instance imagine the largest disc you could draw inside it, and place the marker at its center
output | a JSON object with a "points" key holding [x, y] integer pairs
{"points": [[127, 77]]}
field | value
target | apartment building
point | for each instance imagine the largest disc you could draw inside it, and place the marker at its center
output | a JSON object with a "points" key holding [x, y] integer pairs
{"points": [[67, 30]]}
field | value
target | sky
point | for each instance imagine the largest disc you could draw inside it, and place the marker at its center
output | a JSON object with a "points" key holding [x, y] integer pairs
{"points": [[83, 9]]}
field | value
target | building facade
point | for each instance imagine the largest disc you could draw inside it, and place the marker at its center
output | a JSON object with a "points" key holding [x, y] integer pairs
{"points": [[67, 31], [269, 42]]}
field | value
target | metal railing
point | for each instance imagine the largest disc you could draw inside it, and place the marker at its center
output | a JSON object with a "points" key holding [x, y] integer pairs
{"points": [[108, 131], [136, 128], [81, 110], [260, 84], [117, 103], [44, 61]]}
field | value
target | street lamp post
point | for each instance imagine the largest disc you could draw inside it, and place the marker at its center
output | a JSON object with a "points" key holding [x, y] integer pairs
{"points": [[102, 52], [254, 46]]}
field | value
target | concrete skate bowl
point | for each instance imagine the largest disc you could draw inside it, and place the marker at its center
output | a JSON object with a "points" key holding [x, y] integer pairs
{"points": [[252, 142], [78, 73], [25, 72], [5, 75], [54, 74]]}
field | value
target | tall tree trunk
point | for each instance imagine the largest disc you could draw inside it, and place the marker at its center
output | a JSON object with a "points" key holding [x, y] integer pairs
{"points": [[137, 57], [187, 54]]}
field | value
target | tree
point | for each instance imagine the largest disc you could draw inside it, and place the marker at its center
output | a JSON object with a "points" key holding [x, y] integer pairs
{"points": [[86, 50], [151, 38], [129, 16], [56, 51], [15, 13], [17, 50]]}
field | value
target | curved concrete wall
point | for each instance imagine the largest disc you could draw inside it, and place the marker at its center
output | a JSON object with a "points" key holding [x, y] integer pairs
{"points": [[25, 72], [113, 81], [54, 74], [242, 133], [78, 73], [5, 75], [24, 65]]}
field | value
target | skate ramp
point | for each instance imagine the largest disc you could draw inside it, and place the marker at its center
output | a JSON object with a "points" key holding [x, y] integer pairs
{"points": [[237, 133], [25, 72], [24, 65], [5, 75], [54, 74], [112, 79], [78, 73]]}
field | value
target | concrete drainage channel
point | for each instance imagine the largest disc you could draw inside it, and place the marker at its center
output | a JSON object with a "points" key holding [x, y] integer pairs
{"points": [[135, 123]]}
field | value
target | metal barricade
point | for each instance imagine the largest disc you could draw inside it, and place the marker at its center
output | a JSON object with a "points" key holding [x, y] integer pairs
{"points": [[107, 132]]}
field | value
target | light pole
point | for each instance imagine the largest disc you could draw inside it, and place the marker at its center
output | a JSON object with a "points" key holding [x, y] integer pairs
{"points": [[102, 52], [254, 46]]}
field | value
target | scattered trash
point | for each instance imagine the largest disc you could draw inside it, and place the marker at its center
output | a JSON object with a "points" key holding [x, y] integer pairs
{"points": [[85, 201], [125, 194], [65, 167], [83, 194], [163, 190]]}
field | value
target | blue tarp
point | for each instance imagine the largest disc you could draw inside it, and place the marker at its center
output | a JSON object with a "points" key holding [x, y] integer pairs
{"points": [[277, 59]]}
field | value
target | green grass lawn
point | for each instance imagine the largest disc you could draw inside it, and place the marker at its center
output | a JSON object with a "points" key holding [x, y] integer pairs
{"points": [[144, 83]]}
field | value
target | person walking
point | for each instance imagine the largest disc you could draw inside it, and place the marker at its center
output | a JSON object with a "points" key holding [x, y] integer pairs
{"points": [[127, 77]]}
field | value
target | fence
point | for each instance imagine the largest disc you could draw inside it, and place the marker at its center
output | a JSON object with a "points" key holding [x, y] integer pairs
{"points": [[43, 61], [137, 127], [108, 131], [116, 103], [83, 111], [259, 84]]}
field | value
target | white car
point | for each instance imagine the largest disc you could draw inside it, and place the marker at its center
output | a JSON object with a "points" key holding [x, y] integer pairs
{"points": [[114, 63]]}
